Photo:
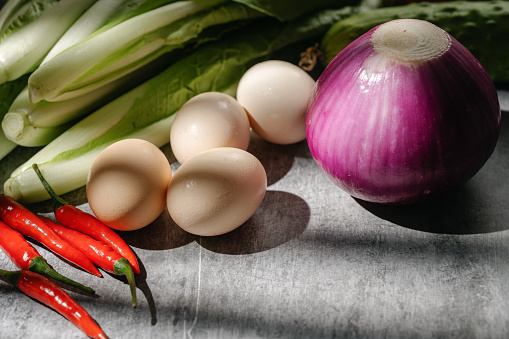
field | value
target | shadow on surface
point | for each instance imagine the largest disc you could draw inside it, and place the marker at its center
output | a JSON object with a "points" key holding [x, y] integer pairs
{"points": [[280, 218], [454, 213], [478, 206], [276, 159], [162, 234]]}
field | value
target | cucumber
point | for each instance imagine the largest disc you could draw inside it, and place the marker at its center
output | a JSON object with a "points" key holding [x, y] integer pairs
{"points": [[481, 26]]}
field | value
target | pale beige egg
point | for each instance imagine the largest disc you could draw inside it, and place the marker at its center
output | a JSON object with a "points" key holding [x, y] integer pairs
{"points": [[216, 191], [206, 121], [275, 95], [127, 183]]}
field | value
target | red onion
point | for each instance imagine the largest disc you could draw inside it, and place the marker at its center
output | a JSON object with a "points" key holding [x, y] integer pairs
{"points": [[404, 113]]}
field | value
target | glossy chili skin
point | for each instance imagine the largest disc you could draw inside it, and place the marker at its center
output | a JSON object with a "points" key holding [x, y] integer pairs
{"points": [[29, 224], [73, 217], [26, 257], [45, 291], [98, 252], [16, 247]]}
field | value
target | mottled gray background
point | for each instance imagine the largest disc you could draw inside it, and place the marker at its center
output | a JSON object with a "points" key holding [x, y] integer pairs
{"points": [[311, 263]]}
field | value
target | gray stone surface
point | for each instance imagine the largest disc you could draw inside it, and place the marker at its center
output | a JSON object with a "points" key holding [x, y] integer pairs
{"points": [[311, 263]]}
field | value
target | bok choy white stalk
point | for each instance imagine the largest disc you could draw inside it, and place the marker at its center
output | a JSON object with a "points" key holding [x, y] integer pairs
{"points": [[8, 92], [147, 111], [30, 124], [16, 14], [22, 51], [129, 45], [95, 17]]}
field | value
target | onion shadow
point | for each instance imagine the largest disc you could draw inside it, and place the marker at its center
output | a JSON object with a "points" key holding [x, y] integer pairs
{"points": [[281, 217], [477, 206], [472, 208]]}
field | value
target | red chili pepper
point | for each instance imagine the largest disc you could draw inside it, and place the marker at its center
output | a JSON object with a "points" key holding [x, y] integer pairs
{"points": [[44, 290], [27, 223], [26, 257], [98, 252], [72, 217]]}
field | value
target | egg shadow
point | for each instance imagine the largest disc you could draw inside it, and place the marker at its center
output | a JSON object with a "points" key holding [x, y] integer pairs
{"points": [[281, 217], [162, 234], [276, 159]]}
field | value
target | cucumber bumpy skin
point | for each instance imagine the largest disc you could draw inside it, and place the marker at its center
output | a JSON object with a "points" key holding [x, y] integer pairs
{"points": [[481, 26]]}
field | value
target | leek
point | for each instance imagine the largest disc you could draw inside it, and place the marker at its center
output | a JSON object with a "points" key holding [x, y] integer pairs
{"points": [[147, 111], [23, 50], [29, 124]]}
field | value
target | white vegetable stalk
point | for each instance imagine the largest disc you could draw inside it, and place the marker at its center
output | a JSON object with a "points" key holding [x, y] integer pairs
{"points": [[6, 146], [18, 13], [29, 124], [71, 174], [126, 47], [96, 16], [8, 11], [21, 51], [91, 127]]}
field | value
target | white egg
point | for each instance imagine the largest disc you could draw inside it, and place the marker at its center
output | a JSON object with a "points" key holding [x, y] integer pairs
{"points": [[216, 191], [206, 121], [127, 183], [275, 95]]}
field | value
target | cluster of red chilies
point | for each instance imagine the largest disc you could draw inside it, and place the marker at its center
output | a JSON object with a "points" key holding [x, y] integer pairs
{"points": [[77, 237]]}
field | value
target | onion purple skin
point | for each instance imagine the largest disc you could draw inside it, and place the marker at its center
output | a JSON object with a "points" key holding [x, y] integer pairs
{"points": [[408, 133]]}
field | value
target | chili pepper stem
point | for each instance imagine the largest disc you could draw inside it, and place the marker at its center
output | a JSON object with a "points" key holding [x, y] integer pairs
{"points": [[38, 265], [10, 276], [48, 188], [123, 267]]}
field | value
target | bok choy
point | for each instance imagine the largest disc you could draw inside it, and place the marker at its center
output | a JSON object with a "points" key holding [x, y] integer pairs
{"points": [[16, 14], [23, 49], [147, 111], [36, 124], [127, 46]]}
